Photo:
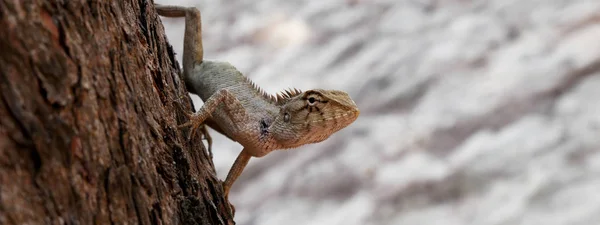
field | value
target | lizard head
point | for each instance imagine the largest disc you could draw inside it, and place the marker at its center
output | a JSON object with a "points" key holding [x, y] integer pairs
{"points": [[312, 116]]}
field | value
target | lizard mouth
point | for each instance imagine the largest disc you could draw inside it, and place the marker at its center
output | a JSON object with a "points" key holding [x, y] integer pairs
{"points": [[356, 112], [348, 116]]}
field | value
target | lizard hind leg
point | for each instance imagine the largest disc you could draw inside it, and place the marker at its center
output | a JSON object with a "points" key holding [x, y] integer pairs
{"points": [[193, 52], [170, 10]]}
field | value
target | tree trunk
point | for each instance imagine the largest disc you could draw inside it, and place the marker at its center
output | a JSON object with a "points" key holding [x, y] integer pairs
{"points": [[90, 99]]}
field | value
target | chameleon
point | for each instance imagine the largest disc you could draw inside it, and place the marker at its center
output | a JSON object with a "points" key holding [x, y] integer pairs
{"points": [[236, 107]]}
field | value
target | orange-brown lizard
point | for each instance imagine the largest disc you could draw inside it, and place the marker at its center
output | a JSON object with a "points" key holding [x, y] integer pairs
{"points": [[238, 108]]}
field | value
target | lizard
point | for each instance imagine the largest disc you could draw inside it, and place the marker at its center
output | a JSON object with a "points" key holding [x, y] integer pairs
{"points": [[236, 107]]}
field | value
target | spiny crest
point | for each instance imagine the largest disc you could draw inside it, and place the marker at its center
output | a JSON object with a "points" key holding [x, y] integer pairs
{"points": [[284, 96], [279, 98]]}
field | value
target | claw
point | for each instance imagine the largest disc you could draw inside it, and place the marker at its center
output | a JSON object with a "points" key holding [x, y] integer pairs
{"points": [[191, 133], [193, 130], [192, 121], [189, 123], [231, 207]]}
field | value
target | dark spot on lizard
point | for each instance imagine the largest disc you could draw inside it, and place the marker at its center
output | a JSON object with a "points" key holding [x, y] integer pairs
{"points": [[264, 127]]}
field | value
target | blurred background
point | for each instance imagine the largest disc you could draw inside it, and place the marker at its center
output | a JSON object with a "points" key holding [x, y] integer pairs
{"points": [[472, 111]]}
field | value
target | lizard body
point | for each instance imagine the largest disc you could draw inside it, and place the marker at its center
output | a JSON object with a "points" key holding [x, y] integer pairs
{"points": [[242, 111]]}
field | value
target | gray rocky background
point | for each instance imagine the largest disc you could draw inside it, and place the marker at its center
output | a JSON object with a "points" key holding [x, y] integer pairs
{"points": [[483, 112]]}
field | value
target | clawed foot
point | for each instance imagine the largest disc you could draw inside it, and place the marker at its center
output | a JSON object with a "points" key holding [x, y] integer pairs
{"points": [[194, 122], [231, 207]]}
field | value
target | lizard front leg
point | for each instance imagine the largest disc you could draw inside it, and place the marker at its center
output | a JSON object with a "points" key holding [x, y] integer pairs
{"points": [[236, 170], [230, 105], [205, 133]]}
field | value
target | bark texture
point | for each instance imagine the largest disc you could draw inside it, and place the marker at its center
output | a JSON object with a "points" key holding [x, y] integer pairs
{"points": [[90, 99]]}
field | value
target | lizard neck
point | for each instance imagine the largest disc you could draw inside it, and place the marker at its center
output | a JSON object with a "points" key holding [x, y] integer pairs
{"points": [[262, 140], [266, 138]]}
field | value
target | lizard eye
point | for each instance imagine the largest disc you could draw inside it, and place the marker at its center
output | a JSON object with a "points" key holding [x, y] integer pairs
{"points": [[286, 117], [311, 100]]}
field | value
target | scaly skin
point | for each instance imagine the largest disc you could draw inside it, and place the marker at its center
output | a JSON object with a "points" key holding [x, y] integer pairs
{"points": [[236, 107]]}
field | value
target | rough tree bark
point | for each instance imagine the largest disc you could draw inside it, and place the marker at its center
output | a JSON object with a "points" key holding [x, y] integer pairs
{"points": [[89, 102]]}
